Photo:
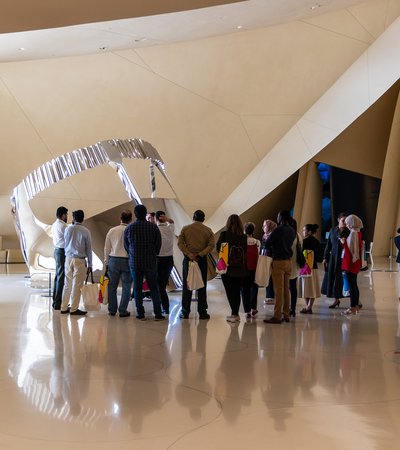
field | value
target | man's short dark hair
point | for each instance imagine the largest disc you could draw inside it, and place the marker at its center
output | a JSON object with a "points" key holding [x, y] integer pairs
{"points": [[159, 213], [199, 216], [126, 216], [140, 212], [78, 216], [61, 210]]}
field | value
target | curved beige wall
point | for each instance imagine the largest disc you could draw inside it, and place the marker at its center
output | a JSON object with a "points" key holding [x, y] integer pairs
{"points": [[213, 108]]}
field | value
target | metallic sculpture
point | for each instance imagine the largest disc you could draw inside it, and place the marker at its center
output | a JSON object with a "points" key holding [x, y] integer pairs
{"points": [[34, 235]]}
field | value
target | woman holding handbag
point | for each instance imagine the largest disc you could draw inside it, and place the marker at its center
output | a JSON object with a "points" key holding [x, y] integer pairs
{"points": [[237, 268], [308, 282], [351, 261]]}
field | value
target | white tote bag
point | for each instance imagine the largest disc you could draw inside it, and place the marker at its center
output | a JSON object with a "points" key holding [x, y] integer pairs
{"points": [[90, 295], [194, 279], [263, 270]]}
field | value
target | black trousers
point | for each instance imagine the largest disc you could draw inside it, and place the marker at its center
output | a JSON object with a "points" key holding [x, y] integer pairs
{"points": [[59, 256], [232, 287], [164, 267], [249, 292], [201, 293]]}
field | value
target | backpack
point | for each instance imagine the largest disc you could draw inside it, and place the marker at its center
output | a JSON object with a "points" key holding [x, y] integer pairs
{"points": [[236, 256], [252, 256]]}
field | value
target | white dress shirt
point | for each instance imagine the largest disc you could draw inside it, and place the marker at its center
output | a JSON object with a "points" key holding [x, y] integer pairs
{"points": [[114, 245], [57, 233], [167, 231]]}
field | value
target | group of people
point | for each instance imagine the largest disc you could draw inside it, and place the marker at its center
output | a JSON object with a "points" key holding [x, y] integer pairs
{"points": [[293, 266], [132, 251], [143, 250]]}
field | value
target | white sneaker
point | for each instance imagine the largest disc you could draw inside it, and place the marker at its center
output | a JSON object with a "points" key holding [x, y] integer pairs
{"points": [[233, 319]]}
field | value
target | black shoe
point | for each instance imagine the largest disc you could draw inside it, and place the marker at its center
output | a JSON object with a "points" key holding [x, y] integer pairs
{"points": [[125, 314], [292, 313], [183, 316], [78, 312], [66, 311], [272, 320], [56, 307], [111, 314], [204, 316], [141, 317], [159, 318], [285, 319], [334, 305]]}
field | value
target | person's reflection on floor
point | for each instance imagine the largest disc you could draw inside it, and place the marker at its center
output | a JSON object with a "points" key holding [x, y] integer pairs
{"points": [[305, 373], [57, 370], [277, 374], [193, 370], [230, 390], [76, 367], [140, 391]]}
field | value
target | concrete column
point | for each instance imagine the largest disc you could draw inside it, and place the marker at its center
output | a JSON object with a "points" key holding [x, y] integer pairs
{"points": [[308, 202], [388, 211]]}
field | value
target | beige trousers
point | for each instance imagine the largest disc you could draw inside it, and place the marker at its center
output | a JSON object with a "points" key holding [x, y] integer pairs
{"points": [[281, 272], [75, 273]]}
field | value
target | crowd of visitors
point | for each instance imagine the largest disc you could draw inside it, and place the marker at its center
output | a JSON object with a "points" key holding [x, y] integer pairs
{"points": [[141, 252]]}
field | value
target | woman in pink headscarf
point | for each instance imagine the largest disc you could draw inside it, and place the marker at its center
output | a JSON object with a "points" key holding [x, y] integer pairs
{"points": [[351, 261], [268, 227]]}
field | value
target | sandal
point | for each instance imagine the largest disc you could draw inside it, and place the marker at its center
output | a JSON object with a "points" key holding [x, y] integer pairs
{"points": [[349, 312]]}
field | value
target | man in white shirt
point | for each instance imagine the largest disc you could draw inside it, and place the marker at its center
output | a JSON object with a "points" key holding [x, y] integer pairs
{"points": [[117, 266], [57, 232], [78, 249], [165, 259]]}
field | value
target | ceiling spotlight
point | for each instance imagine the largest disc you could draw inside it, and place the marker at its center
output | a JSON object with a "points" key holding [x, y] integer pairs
{"points": [[239, 27], [22, 49], [313, 7], [103, 48]]}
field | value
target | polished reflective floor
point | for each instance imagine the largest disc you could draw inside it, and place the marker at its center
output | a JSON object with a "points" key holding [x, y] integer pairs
{"points": [[323, 381]]}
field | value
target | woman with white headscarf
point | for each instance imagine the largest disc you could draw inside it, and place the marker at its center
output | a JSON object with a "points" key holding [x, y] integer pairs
{"points": [[351, 261]]}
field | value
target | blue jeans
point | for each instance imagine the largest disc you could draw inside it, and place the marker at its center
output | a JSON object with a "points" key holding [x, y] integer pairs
{"points": [[151, 277], [118, 268], [59, 256], [164, 267]]}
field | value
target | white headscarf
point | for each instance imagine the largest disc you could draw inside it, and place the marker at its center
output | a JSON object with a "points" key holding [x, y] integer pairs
{"points": [[354, 224]]}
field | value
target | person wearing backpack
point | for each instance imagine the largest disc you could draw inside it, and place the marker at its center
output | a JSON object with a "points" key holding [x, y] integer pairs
{"points": [[250, 288], [237, 267]]}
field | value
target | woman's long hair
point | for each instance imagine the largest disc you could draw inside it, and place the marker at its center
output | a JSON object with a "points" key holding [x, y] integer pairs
{"points": [[234, 225]]}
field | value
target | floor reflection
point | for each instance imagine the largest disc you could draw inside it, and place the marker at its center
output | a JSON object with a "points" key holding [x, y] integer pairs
{"points": [[104, 379]]}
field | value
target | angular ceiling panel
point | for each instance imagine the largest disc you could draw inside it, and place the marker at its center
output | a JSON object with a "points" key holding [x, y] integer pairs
{"points": [[265, 131], [343, 23]]}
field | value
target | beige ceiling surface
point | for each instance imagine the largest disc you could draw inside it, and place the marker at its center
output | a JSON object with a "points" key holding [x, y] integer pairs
{"points": [[21, 15], [135, 30], [212, 107]]}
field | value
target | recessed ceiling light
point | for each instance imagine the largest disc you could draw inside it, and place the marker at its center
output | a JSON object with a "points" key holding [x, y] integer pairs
{"points": [[22, 49], [103, 48], [239, 27], [140, 39], [313, 7]]}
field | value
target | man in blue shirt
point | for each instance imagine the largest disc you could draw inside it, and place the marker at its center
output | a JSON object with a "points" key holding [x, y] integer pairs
{"points": [[78, 249], [142, 241]]}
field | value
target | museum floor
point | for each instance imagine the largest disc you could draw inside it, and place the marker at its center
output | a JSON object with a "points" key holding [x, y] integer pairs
{"points": [[323, 381]]}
